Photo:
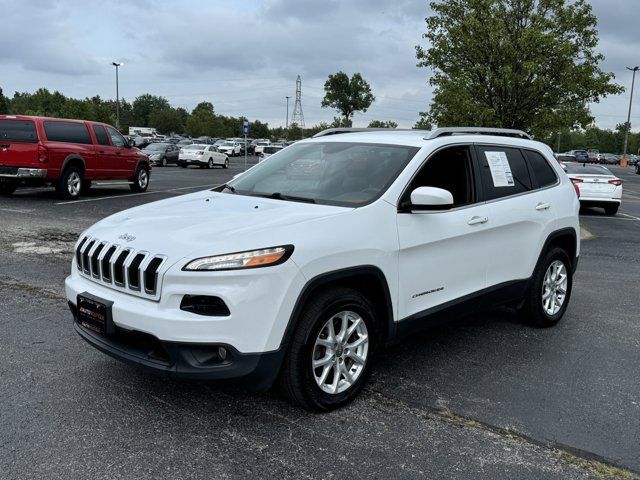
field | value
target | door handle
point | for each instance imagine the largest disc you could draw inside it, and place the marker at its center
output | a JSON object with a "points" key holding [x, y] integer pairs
{"points": [[477, 220], [543, 206], [100, 151], [117, 153]]}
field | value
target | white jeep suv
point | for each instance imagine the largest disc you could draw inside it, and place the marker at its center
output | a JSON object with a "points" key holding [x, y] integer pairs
{"points": [[302, 268]]}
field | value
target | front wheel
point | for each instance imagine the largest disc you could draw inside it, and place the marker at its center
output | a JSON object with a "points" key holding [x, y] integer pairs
{"points": [[7, 188], [548, 295], [164, 162], [329, 358], [226, 163], [210, 163], [141, 179]]}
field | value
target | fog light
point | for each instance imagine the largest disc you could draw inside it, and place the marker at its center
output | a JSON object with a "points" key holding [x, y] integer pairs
{"points": [[222, 353]]}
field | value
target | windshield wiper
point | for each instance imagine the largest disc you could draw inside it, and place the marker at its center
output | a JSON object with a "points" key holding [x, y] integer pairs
{"points": [[282, 196], [226, 186]]}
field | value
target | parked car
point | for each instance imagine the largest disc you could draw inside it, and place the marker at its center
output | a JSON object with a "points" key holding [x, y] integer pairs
{"points": [[632, 159], [254, 143], [609, 159], [202, 155], [66, 154], [306, 279], [598, 187], [565, 157], [268, 150], [185, 142], [259, 148], [580, 155], [230, 148], [162, 153]]}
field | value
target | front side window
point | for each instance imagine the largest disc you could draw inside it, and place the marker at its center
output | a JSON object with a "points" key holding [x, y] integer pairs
{"points": [[68, 132], [503, 171], [333, 173], [450, 169], [117, 139]]}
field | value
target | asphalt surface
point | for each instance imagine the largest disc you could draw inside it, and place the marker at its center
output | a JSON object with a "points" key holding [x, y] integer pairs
{"points": [[485, 397]]}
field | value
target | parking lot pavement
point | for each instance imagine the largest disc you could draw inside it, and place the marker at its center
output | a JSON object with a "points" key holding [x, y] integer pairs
{"points": [[485, 397]]}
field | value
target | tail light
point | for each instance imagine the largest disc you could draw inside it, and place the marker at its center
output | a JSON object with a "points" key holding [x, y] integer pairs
{"points": [[577, 189], [576, 180], [617, 182], [43, 154], [200, 153]]}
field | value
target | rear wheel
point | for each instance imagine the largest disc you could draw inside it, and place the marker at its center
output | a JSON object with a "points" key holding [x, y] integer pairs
{"points": [[329, 358], [7, 187], [71, 183], [548, 295], [141, 179], [611, 209]]}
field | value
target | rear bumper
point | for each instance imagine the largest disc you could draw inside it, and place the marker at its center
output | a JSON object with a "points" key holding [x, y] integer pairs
{"points": [[598, 202], [21, 173], [194, 361]]}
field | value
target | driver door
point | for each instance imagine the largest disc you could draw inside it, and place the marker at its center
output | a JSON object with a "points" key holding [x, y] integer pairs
{"points": [[442, 255]]}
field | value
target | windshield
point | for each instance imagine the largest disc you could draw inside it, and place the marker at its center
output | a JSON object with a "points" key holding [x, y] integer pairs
{"points": [[580, 169], [156, 147], [227, 144], [332, 173]]}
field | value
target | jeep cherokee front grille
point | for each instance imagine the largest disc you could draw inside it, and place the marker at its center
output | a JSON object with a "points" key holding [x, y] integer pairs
{"points": [[119, 267]]}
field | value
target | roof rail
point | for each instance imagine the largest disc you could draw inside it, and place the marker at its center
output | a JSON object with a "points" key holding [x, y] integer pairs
{"points": [[335, 131], [500, 132]]}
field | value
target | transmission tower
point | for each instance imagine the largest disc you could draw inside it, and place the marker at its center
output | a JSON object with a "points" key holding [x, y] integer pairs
{"points": [[298, 116]]}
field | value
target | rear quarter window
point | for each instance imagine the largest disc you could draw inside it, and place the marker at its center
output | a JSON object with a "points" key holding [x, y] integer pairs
{"points": [[18, 131], [540, 169], [68, 132]]}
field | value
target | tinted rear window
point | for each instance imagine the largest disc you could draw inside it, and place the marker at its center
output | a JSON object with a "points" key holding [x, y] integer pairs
{"points": [[18, 131], [581, 169], [68, 132], [540, 168], [101, 135]]}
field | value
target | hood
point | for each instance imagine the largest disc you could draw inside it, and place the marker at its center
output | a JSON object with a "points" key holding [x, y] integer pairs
{"points": [[209, 223]]}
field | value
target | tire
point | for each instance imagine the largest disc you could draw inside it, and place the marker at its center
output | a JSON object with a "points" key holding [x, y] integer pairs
{"points": [[226, 163], [611, 209], [163, 162], [299, 381], [538, 311], [71, 183], [7, 188], [210, 163], [183, 165], [140, 179]]}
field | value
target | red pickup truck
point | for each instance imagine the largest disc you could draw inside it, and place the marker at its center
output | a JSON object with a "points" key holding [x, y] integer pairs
{"points": [[68, 154]]}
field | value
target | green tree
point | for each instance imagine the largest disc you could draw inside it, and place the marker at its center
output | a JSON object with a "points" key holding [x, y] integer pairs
{"points": [[423, 122], [381, 124], [526, 64], [145, 105], [347, 95], [202, 120], [168, 120], [4, 103]]}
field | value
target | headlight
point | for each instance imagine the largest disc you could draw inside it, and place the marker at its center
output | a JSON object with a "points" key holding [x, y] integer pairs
{"points": [[235, 261]]}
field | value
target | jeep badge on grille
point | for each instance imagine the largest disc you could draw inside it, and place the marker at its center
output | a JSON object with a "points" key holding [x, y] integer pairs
{"points": [[126, 237]]}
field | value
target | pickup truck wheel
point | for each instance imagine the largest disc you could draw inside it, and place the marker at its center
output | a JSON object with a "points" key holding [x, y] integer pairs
{"points": [[70, 184], [141, 179], [548, 295], [8, 187], [329, 357]]}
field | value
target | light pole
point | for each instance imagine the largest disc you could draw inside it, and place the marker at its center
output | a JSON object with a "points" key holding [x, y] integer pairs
{"points": [[116, 64], [626, 134], [287, 124]]}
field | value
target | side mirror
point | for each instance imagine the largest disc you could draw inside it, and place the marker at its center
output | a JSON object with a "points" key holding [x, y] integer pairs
{"points": [[430, 198]]}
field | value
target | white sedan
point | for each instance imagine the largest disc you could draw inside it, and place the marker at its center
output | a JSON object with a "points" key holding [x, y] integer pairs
{"points": [[597, 186], [230, 148], [202, 155], [267, 151]]}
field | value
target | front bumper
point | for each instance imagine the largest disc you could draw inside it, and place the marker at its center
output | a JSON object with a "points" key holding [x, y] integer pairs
{"points": [[194, 361], [21, 173]]}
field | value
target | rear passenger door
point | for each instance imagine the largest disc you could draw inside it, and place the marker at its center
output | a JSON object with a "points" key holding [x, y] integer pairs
{"points": [[516, 186]]}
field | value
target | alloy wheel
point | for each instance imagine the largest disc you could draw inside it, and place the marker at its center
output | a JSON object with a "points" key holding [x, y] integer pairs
{"points": [[554, 287], [143, 178], [74, 184], [340, 352]]}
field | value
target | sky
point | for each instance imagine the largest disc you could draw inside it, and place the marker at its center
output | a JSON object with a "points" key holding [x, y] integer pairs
{"points": [[244, 56]]}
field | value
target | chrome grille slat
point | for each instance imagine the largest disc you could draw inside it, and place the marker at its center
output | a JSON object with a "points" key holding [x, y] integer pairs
{"points": [[107, 263]]}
